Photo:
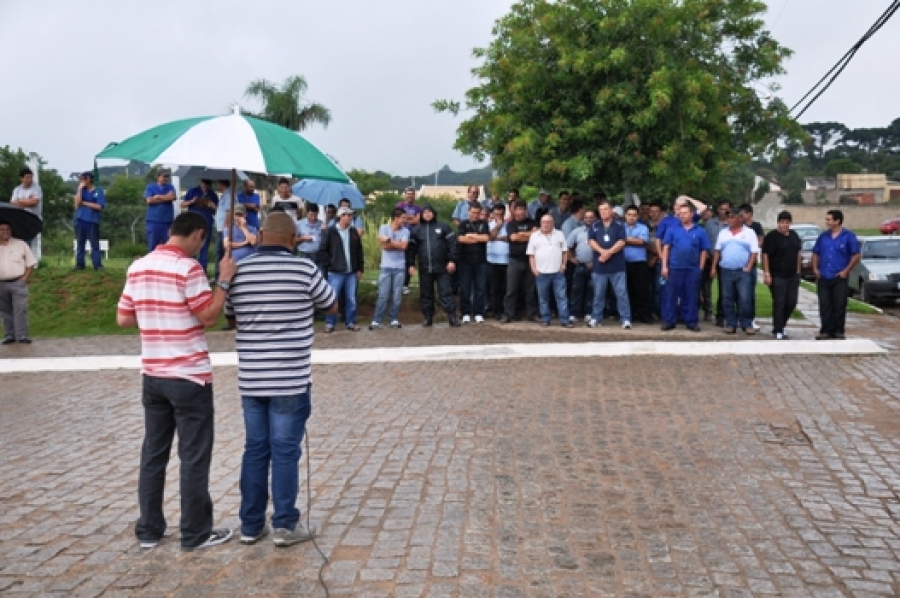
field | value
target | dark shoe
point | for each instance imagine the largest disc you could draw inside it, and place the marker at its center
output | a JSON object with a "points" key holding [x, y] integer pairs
{"points": [[254, 538], [720, 322], [353, 328], [226, 327], [729, 330], [706, 316], [77, 269], [534, 318], [568, 325], [824, 337], [505, 320], [98, 269], [8, 341], [666, 327], [545, 324], [645, 320], [428, 321], [837, 335], [25, 340], [216, 537], [454, 321], [694, 328]]}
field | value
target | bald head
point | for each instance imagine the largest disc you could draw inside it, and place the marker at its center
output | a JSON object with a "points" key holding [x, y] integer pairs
{"points": [[278, 229]]}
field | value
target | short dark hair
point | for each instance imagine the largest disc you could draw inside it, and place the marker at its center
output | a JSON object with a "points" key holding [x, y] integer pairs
{"points": [[561, 193], [599, 196], [311, 207], [206, 181], [603, 202], [594, 212], [514, 190], [836, 215], [24, 172], [331, 206], [519, 204], [746, 208], [225, 182], [576, 206], [632, 208], [785, 215], [724, 202], [5, 223], [500, 207], [283, 181], [343, 199], [187, 223], [656, 203], [397, 212]]}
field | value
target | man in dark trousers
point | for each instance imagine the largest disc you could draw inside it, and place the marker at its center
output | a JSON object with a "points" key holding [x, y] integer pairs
{"points": [[835, 253], [781, 272], [519, 278], [433, 243], [472, 239]]}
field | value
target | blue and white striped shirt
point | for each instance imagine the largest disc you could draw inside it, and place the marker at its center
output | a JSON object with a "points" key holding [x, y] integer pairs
{"points": [[273, 296]]}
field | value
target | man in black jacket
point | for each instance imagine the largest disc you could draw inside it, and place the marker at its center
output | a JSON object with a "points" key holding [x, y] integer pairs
{"points": [[434, 244], [342, 254]]}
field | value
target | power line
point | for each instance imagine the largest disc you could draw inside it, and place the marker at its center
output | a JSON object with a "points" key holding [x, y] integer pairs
{"points": [[841, 64]]}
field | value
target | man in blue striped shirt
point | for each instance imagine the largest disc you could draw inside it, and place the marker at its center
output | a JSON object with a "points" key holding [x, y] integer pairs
{"points": [[272, 299]]}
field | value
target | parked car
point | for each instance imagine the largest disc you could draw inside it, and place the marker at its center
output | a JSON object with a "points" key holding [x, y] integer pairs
{"points": [[877, 276], [890, 227], [806, 271], [806, 231]]}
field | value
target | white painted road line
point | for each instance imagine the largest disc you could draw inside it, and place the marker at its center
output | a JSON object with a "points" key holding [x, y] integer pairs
{"points": [[479, 352]]}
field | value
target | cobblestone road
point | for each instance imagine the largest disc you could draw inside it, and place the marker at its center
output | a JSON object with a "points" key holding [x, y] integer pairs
{"points": [[639, 477]]}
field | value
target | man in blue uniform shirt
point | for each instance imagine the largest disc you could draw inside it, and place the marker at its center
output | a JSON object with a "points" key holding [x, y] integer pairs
{"points": [[685, 249], [249, 198], [835, 253], [203, 200], [90, 201], [160, 213]]}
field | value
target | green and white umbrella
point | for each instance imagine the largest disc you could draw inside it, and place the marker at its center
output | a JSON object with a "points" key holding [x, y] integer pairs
{"points": [[232, 142]]}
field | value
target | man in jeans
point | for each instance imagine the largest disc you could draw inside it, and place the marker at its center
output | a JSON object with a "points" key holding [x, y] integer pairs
{"points": [[835, 253], [472, 238], [167, 297], [734, 260], [607, 238], [342, 255], [393, 238], [274, 341], [581, 261], [547, 255]]}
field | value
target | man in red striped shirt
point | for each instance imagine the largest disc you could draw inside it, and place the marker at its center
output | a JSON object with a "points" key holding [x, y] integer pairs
{"points": [[167, 296]]}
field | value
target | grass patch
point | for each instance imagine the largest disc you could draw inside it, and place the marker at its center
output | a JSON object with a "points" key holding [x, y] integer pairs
{"points": [[763, 301], [853, 306]]}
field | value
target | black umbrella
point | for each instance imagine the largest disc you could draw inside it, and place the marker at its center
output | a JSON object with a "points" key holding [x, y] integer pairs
{"points": [[25, 225]]}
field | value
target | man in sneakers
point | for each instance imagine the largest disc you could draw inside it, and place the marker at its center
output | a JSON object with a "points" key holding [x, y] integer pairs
{"points": [[274, 341], [685, 249], [342, 256], [519, 276], [747, 216], [472, 236], [734, 260], [498, 260], [781, 272], [713, 227], [608, 239], [434, 244], [581, 262], [413, 215], [637, 236], [393, 238], [167, 297], [547, 254]]}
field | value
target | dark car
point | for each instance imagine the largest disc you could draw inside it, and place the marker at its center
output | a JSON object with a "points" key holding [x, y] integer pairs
{"points": [[890, 227], [806, 271]]}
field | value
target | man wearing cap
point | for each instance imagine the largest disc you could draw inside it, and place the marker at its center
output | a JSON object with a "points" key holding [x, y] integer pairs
{"points": [[274, 342], [160, 212], [357, 221], [90, 201], [241, 238], [685, 249], [28, 196], [249, 198], [204, 201], [433, 243], [16, 265], [781, 272], [734, 261], [413, 217], [342, 254], [543, 203]]}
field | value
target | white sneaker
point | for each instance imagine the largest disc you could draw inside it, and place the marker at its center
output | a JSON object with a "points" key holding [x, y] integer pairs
{"points": [[479, 320], [374, 326], [593, 323], [466, 320], [587, 319], [572, 319], [755, 325], [406, 290], [396, 324], [779, 336], [626, 325]]}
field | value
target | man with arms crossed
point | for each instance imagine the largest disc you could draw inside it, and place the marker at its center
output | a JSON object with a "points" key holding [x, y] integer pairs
{"points": [[272, 300], [167, 297]]}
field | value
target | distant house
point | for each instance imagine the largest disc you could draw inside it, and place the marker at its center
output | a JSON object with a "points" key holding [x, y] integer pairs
{"points": [[758, 180], [820, 183], [457, 192]]}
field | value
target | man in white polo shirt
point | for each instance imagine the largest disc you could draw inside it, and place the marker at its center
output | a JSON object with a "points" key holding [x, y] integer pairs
{"points": [[548, 254], [735, 261]]}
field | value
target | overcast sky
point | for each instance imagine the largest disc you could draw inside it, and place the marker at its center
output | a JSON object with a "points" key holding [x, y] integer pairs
{"points": [[78, 75]]}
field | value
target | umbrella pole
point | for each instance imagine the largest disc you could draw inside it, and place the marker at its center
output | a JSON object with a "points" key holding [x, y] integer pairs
{"points": [[229, 221]]}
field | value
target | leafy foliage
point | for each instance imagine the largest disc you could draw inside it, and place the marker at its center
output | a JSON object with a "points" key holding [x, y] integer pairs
{"points": [[652, 94], [56, 208], [286, 105]]}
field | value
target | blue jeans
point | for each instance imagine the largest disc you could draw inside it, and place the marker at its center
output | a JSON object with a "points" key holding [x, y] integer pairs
{"points": [[581, 286], [619, 283], [737, 293], [472, 279], [390, 289], [157, 234], [87, 231], [203, 254], [556, 281], [344, 285], [274, 429], [682, 288]]}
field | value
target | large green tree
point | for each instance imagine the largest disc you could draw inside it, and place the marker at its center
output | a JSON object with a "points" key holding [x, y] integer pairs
{"points": [[286, 104], [656, 95]]}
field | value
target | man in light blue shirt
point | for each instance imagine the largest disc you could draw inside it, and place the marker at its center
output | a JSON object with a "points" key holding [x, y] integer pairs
{"points": [[581, 260], [226, 202], [309, 233], [637, 237], [498, 260], [734, 260], [575, 219], [393, 238], [461, 211]]}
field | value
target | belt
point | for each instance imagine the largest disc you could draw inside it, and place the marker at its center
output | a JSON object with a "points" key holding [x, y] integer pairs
{"points": [[12, 279]]}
